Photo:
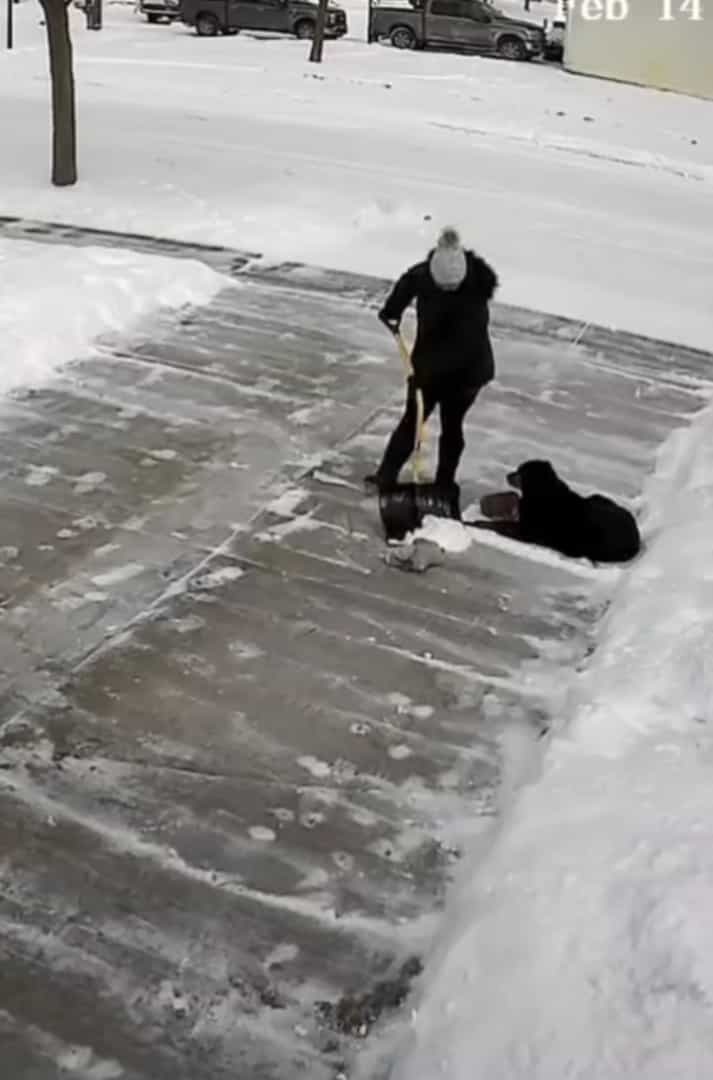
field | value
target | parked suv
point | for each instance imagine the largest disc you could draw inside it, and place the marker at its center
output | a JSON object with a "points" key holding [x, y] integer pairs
{"points": [[298, 17], [458, 25]]}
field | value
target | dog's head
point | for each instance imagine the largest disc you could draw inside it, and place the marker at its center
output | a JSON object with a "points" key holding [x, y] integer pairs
{"points": [[533, 476]]}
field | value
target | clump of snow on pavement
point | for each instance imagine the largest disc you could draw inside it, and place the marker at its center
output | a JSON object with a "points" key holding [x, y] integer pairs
{"points": [[581, 945], [448, 534], [55, 301]]}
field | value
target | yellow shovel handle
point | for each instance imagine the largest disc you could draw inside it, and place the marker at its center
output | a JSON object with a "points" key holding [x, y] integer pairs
{"points": [[417, 463], [405, 354]]}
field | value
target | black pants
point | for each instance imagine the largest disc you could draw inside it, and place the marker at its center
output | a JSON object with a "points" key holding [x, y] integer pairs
{"points": [[454, 402]]}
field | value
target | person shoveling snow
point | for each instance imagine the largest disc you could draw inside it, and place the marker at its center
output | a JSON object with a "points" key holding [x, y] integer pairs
{"points": [[452, 361]]}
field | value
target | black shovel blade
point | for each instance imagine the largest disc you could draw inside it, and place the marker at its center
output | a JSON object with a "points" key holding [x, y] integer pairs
{"points": [[404, 506]]}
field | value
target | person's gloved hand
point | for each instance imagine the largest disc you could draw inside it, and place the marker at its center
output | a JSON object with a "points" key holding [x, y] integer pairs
{"points": [[394, 325]]}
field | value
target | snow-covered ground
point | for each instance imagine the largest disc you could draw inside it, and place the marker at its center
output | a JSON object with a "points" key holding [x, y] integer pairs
{"points": [[55, 301], [581, 947], [590, 198]]}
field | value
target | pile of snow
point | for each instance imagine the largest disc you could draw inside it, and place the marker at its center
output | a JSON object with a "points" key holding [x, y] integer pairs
{"points": [[54, 301], [449, 535], [582, 944]]}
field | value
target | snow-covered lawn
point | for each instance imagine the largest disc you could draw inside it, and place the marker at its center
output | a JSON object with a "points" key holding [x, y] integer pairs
{"points": [[582, 945], [590, 198], [55, 301]]}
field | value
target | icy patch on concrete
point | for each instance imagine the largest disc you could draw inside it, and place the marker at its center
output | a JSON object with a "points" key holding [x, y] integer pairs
{"points": [[262, 834], [83, 1063], [89, 482], [301, 523], [400, 752], [286, 504], [40, 475], [118, 575], [215, 578], [314, 766]]}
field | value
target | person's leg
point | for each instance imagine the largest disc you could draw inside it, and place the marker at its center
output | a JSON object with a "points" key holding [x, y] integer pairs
{"points": [[454, 406], [401, 444]]}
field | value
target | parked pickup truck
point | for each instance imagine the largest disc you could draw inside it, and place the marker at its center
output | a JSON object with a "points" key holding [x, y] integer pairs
{"points": [[456, 25], [298, 17]]}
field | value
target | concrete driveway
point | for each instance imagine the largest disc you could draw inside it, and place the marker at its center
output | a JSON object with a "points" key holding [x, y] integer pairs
{"points": [[237, 750]]}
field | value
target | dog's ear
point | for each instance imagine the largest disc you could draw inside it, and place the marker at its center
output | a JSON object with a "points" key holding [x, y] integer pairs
{"points": [[541, 466], [548, 471]]}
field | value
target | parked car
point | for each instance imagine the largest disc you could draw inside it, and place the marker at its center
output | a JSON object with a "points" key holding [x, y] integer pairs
{"points": [[298, 17], [458, 25], [159, 10]]}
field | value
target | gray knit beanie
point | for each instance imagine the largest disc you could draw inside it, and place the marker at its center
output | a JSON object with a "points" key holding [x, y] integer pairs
{"points": [[448, 264]]}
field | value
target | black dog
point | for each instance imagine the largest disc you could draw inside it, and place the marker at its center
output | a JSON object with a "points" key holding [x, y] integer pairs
{"points": [[550, 514]]}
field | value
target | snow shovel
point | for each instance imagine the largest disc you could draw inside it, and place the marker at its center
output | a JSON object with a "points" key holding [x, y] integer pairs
{"points": [[404, 506]]}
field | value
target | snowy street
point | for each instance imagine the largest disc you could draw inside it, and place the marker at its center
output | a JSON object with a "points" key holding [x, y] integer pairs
{"points": [[271, 807]]}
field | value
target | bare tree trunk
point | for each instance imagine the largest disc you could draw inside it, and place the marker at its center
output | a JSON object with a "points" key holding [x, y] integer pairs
{"points": [[9, 32], [64, 135], [318, 39]]}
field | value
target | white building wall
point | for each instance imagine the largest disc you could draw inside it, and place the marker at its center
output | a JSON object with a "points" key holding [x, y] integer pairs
{"points": [[642, 48]]}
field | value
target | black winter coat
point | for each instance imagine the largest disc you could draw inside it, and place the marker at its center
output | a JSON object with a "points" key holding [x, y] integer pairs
{"points": [[452, 339]]}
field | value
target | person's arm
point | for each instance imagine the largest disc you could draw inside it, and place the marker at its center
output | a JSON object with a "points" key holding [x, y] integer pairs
{"points": [[398, 300], [485, 279]]}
